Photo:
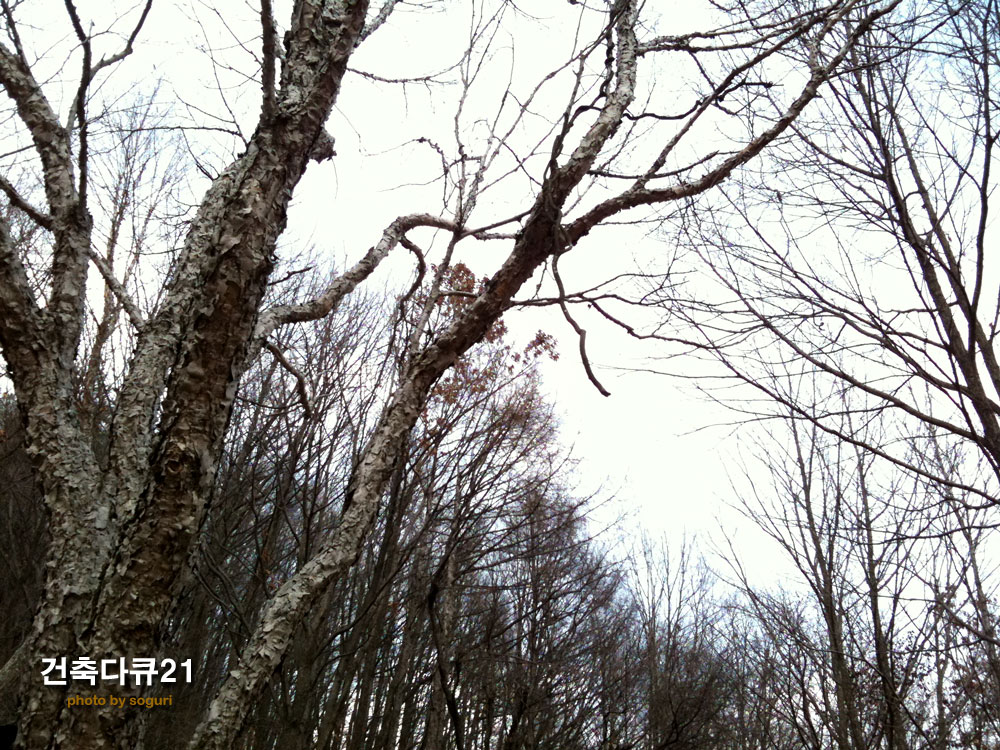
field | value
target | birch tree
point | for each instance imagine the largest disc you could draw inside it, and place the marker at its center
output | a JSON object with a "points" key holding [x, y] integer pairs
{"points": [[121, 521]]}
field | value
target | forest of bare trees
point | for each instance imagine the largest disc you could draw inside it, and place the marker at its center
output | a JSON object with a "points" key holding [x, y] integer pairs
{"points": [[334, 487]]}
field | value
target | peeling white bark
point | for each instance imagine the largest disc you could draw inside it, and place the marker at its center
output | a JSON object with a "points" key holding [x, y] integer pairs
{"points": [[120, 538], [539, 239]]}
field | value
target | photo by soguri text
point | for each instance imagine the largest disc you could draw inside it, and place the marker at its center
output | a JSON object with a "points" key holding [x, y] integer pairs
{"points": [[115, 701]]}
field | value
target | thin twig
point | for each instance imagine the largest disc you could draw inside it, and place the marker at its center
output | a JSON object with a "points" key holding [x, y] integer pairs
{"points": [[300, 381], [580, 331], [131, 309]]}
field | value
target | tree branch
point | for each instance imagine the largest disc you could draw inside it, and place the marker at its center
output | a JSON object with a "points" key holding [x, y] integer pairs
{"points": [[50, 138], [127, 50], [131, 309], [269, 51], [300, 381], [39, 217], [344, 284], [81, 103], [581, 333], [380, 18], [70, 223], [639, 195]]}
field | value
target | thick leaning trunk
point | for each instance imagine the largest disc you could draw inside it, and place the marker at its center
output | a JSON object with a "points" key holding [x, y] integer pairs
{"points": [[542, 236], [39, 344], [120, 538], [120, 541], [108, 599], [80, 544], [270, 643]]}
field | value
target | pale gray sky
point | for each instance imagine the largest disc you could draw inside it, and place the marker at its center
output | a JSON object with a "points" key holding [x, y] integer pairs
{"points": [[651, 443]]}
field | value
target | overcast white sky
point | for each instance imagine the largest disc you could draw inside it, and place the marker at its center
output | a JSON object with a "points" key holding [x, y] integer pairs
{"points": [[651, 443]]}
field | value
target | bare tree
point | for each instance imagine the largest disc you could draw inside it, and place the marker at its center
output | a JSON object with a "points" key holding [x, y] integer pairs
{"points": [[681, 669], [860, 282], [894, 604], [891, 177]]}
